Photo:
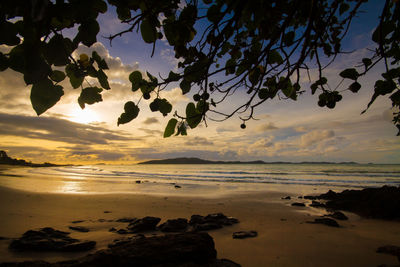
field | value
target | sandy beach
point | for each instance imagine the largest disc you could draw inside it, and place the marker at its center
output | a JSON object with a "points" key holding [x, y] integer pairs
{"points": [[284, 238]]}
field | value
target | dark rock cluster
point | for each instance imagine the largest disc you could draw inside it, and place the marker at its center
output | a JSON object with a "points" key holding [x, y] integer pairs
{"points": [[338, 216], [211, 222], [391, 250], [380, 203], [49, 239], [325, 221], [184, 249], [145, 224], [244, 234], [298, 204], [195, 224]]}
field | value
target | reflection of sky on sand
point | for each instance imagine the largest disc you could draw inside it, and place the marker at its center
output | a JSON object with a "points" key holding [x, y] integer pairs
{"points": [[70, 187]]}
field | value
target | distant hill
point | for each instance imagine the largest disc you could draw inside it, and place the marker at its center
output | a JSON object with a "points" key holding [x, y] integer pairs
{"points": [[202, 161], [197, 161], [5, 159]]}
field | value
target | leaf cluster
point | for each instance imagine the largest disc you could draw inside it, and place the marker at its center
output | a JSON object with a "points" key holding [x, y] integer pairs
{"points": [[262, 48]]}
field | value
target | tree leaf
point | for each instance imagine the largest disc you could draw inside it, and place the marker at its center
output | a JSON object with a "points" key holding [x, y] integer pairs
{"points": [[124, 13], [254, 76], [74, 76], [382, 31], [88, 31], [367, 61], [188, 15], [44, 95], [289, 90], [100, 6], [170, 129], [274, 57], [149, 32], [36, 69], [57, 76], [314, 88], [131, 112], [173, 77], [17, 59], [164, 106], [288, 38], [8, 34], [100, 62], [171, 31], [103, 79], [349, 74], [3, 62], [181, 129], [57, 50], [193, 118], [185, 86], [202, 106], [90, 95], [153, 79], [343, 8], [136, 79], [354, 87], [213, 14]]}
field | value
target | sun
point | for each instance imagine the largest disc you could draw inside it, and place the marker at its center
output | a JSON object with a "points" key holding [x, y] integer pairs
{"points": [[84, 116]]}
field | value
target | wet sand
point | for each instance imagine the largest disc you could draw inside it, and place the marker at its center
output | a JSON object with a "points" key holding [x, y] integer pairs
{"points": [[284, 238]]}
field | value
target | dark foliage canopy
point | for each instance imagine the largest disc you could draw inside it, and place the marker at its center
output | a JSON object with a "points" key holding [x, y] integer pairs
{"points": [[261, 47]]}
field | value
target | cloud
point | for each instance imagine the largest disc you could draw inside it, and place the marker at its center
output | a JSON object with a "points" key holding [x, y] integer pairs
{"points": [[301, 129], [315, 136], [174, 95], [94, 154], [55, 129], [152, 132], [387, 114], [262, 143], [169, 55], [267, 127], [224, 129], [14, 94], [198, 141], [151, 120]]}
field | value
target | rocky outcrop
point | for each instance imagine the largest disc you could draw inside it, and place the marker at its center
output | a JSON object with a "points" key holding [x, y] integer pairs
{"points": [[391, 250], [244, 234], [325, 221], [79, 229], [174, 225], [197, 223], [185, 249], [126, 219], [338, 216], [147, 223], [381, 203], [49, 239], [298, 204], [211, 221], [317, 204]]}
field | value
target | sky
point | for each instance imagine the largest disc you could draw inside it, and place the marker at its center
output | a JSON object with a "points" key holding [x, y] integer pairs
{"points": [[286, 130]]}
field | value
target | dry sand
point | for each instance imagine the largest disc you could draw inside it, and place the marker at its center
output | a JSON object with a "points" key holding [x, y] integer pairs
{"points": [[284, 238]]}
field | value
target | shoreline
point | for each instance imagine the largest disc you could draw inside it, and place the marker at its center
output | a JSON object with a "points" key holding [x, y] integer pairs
{"points": [[284, 238]]}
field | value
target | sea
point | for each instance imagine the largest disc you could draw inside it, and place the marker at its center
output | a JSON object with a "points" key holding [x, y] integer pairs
{"points": [[208, 180]]}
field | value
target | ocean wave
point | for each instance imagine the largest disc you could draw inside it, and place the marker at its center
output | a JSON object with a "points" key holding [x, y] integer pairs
{"points": [[129, 174]]}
